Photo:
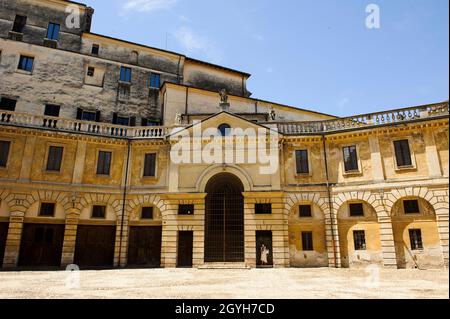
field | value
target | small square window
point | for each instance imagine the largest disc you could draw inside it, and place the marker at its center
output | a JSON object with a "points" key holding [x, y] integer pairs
{"points": [[186, 210], [305, 211], [26, 63], [19, 23], [99, 212], [411, 207], [52, 110], [415, 236], [53, 31], [155, 80], [125, 74], [307, 241], [359, 237], [47, 210], [263, 209], [147, 213], [95, 49], [356, 210], [90, 71]]}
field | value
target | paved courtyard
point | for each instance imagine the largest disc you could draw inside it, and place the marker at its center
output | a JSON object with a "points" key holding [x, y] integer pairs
{"points": [[227, 284]]}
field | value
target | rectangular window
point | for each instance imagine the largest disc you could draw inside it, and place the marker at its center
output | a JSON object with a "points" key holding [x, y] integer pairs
{"points": [[26, 63], [147, 122], [356, 210], [104, 163], [150, 165], [55, 154], [53, 31], [305, 211], [155, 80], [307, 241], [350, 159], [415, 235], [125, 121], [403, 153], [301, 158], [88, 116], [411, 207], [125, 74], [95, 49], [90, 71], [7, 104], [359, 236], [52, 110], [47, 209], [19, 24], [186, 210], [147, 213], [4, 152], [263, 209], [99, 211]]}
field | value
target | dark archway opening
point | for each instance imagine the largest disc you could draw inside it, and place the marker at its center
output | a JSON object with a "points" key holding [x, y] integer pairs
{"points": [[224, 220]]}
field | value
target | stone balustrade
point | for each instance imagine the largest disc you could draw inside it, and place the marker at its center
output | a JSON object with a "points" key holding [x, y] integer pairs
{"points": [[292, 128]]}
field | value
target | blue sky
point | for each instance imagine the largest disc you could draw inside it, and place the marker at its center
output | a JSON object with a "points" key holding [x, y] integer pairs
{"points": [[317, 55]]}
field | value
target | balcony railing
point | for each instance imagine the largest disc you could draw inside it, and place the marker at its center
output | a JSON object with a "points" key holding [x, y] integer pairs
{"points": [[291, 128], [77, 126], [367, 120]]}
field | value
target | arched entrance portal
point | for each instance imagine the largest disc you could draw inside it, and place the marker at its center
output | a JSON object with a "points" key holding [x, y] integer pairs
{"points": [[224, 222]]}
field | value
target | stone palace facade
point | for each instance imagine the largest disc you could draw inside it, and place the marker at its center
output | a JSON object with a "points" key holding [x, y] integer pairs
{"points": [[90, 127]]}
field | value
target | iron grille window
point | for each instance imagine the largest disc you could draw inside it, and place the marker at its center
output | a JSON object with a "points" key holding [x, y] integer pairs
{"points": [[4, 152], [125, 74], [54, 158], [263, 209], [359, 237], [307, 241], [47, 209], [26, 63], [155, 80], [411, 207], [104, 163], [95, 49], [403, 153], [53, 31], [415, 235], [301, 158], [350, 158], [305, 210], [52, 110], [19, 23], [186, 210], [147, 213], [7, 104], [150, 165], [356, 210], [98, 211]]}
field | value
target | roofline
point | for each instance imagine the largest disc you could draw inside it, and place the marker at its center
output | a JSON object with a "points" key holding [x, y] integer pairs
{"points": [[253, 99], [247, 75], [77, 3]]}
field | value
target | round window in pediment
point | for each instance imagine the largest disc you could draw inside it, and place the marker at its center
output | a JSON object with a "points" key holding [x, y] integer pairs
{"points": [[224, 129]]}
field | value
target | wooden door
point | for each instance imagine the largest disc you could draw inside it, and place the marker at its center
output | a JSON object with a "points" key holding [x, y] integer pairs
{"points": [[144, 246], [94, 246], [41, 245], [264, 249], [3, 236], [185, 248]]}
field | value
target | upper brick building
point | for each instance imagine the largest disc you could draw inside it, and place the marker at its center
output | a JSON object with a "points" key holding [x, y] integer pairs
{"points": [[90, 129]]}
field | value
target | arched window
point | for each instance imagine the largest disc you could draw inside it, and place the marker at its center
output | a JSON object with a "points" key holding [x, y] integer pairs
{"points": [[224, 129]]}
